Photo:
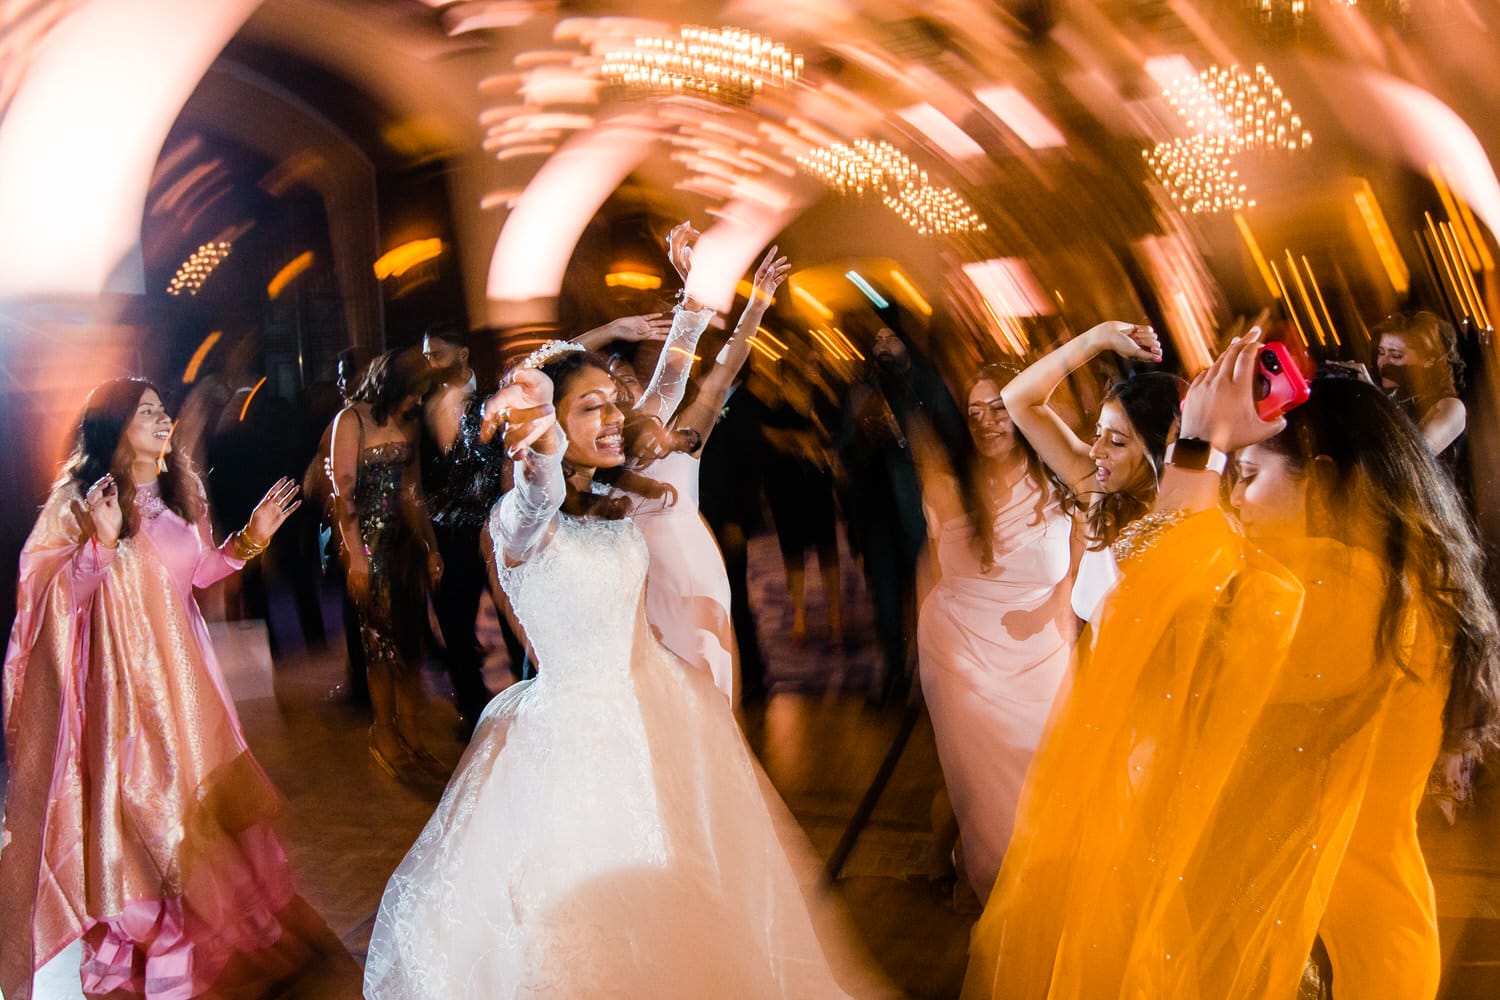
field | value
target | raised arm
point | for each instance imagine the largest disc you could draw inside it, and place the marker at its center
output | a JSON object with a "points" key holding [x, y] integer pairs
{"points": [[669, 382], [647, 326], [521, 522], [1065, 453], [701, 415]]}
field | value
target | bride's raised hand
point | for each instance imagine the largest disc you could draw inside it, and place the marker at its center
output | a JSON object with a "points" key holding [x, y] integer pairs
{"points": [[680, 243], [523, 408]]}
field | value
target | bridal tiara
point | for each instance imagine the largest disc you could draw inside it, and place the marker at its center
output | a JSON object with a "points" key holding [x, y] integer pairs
{"points": [[549, 352]]}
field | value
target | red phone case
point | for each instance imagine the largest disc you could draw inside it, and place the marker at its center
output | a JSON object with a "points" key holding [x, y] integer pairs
{"points": [[1284, 389]]}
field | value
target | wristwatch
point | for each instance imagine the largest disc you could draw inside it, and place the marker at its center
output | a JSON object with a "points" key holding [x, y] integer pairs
{"points": [[1196, 455]]}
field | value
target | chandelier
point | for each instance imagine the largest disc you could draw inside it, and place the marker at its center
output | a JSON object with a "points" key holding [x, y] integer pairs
{"points": [[724, 64], [1198, 174], [1231, 113], [878, 167], [862, 166], [929, 210], [194, 271], [1245, 108]]}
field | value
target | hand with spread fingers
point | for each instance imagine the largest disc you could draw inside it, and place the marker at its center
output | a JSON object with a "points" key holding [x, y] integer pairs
{"points": [[522, 410], [768, 277], [1220, 404], [273, 510], [100, 509]]}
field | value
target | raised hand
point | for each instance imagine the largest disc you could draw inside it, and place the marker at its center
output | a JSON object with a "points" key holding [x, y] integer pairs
{"points": [[100, 510], [768, 277], [633, 329], [1128, 340], [1220, 404], [680, 243], [272, 511], [522, 409]]}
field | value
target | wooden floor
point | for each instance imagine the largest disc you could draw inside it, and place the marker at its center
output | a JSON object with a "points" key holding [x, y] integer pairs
{"points": [[347, 824]]}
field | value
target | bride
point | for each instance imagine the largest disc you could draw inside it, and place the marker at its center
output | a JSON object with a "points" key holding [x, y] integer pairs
{"points": [[608, 833]]}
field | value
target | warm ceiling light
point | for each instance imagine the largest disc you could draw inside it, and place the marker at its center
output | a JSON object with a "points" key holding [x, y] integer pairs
{"points": [[190, 373], [862, 166], [1021, 117], [725, 64], [632, 279], [1246, 108], [941, 129], [1198, 174], [934, 210], [194, 271], [407, 256], [288, 274]]}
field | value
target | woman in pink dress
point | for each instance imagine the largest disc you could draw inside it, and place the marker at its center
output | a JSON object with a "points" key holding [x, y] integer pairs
{"points": [[996, 632], [135, 816]]}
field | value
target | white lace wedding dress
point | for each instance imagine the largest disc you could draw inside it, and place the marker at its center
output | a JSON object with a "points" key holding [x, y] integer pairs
{"points": [[607, 833]]}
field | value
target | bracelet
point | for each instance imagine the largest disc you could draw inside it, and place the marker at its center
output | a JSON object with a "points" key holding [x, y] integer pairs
{"points": [[1141, 535], [243, 549]]}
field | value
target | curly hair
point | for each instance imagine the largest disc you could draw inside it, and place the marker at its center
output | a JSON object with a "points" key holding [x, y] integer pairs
{"points": [[577, 503], [1382, 475], [99, 447]]}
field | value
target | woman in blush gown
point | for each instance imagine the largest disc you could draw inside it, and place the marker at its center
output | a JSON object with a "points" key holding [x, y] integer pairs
{"points": [[135, 816], [687, 587], [996, 633], [608, 833]]}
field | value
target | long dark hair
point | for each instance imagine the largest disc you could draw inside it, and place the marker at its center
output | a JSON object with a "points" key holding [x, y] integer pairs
{"points": [[1152, 401], [976, 498], [392, 377], [577, 503], [1383, 476], [99, 447]]}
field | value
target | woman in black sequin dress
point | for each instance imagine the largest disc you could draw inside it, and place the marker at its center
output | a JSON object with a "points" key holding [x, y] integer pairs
{"points": [[389, 549]]}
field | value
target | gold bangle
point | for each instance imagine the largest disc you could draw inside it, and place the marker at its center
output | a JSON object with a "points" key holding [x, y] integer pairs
{"points": [[243, 548]]}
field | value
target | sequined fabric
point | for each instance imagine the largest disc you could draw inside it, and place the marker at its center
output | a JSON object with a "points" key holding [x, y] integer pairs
{"points": [[462, 484], [392, 619]]}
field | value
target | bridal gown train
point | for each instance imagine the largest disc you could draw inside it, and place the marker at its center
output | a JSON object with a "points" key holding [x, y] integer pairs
{"points": [[607, 833]]}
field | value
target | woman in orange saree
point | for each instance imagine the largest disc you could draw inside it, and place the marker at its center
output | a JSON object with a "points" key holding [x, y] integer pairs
{"points": [[1234, 730], [135, 816]]}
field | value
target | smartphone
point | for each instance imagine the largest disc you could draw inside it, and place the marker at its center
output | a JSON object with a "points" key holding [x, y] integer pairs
{"points": [[1280, 385]]}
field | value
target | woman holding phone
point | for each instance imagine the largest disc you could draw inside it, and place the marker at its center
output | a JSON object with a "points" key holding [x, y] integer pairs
{"points": [[1242, 757]]}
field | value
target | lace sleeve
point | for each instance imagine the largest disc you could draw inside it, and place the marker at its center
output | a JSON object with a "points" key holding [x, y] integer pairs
{"points": [[669, 381], [520, 521]]}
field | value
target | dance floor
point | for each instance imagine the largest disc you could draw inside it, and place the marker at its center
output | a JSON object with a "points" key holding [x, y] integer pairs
{"points": [[347, 824]]}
